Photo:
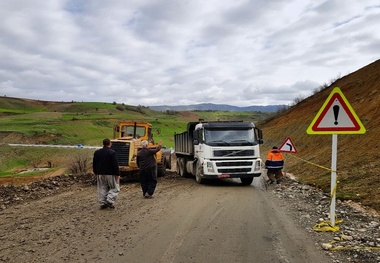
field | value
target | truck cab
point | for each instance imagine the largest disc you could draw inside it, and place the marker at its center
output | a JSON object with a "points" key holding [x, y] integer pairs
{"points": [[214, 150]]}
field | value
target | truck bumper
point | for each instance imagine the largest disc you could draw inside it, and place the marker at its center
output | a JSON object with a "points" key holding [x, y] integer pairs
{"points": [[221, 176]]}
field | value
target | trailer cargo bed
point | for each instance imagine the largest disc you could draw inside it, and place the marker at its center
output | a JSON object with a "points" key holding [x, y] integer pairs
{"points": [[183, 142]]}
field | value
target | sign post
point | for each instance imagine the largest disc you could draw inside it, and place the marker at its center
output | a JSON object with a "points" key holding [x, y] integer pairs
{"points": [[334, 155], [336, 116]]}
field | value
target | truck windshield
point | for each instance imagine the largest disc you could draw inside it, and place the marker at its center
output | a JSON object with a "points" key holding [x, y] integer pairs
{"points": [[230, 137]]}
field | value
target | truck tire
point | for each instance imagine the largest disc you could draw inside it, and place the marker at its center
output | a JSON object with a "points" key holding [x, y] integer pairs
{"points": [[169, 161], [182, 168], [246, 181], [177, 165], [198, 173], [161, 167], [168, 158]]}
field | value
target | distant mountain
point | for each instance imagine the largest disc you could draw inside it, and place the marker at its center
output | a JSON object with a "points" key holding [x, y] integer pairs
{"points": [[217, 107]]}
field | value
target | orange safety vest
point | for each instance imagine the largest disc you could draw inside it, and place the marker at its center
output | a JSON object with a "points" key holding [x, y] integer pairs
{"points": [[275, 160]]}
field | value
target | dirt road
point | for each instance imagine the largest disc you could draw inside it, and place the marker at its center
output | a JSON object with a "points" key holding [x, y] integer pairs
{"points": [[184, 222]]}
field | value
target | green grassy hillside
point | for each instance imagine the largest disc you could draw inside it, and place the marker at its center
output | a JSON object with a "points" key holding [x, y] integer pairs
{"points": [[87, 123]]}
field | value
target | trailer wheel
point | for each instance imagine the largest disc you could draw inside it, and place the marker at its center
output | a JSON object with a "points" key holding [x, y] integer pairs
{"points": [[246, 181], [182, 168], [177, 165], [198, 173]]}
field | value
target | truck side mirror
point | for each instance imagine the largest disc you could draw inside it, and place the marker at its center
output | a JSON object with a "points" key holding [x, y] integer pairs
{"points": [[195, 135], [260, 136]]}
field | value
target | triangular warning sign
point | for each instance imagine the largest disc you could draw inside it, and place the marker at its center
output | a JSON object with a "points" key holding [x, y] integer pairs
{"points": [[288, 146], [336, 117]]}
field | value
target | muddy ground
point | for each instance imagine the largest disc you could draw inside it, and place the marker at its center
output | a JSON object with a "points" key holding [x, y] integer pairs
{"points": [[57, 219]]}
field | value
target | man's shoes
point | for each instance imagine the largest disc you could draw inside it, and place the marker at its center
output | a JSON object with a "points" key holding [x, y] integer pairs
{"points": [[109, 205], [148, 195], [270, 182]]}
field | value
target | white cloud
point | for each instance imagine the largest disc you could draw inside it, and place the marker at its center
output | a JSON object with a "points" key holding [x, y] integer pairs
{"points": [[144, 52]]}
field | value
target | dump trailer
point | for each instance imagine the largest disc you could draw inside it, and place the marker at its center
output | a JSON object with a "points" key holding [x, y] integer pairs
{"points": [[220, 149], [126, 142]]}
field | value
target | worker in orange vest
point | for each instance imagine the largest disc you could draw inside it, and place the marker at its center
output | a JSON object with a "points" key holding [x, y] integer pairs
{"points": [[274, 163]]}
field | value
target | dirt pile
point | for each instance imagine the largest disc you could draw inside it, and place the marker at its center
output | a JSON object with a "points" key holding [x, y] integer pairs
{"points": [[24, 193]]}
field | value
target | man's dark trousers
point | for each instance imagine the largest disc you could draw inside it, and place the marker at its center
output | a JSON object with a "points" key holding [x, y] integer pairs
{"points": [[148, 180]]}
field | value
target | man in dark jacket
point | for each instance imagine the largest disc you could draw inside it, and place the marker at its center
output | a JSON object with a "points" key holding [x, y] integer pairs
{"points": [[106, 168], [147, 164]]}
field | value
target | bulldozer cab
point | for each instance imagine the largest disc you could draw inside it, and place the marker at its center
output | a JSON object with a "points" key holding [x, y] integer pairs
{"points": [[135, 130]]}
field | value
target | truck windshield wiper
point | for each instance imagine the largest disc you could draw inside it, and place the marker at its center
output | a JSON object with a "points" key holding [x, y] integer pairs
{"points": [[219, 142], [242, 141]]}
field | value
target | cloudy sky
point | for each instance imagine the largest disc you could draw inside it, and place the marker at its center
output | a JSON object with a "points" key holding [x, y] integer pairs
{"points": [[179, 52]]}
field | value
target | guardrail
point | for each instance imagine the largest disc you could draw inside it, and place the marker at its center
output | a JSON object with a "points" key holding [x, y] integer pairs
{"points": [[55, 146]]}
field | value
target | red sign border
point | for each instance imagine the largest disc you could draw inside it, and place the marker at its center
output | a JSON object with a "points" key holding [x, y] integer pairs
{"points": [[294, 147], [347, 110]]}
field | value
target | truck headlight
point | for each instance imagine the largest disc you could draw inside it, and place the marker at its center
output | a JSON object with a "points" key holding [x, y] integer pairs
{"points": [[257, 166], [210, 168]]}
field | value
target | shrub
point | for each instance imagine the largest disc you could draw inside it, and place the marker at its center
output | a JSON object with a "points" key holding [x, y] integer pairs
{"points": [[80, 164], [120, 107]]}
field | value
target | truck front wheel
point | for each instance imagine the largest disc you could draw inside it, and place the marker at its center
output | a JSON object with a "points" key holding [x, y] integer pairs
{"points": [[198, 174], [246, 181]]}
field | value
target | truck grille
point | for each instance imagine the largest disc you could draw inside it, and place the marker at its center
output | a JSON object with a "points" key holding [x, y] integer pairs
{"points": [[234, 170], [122, 152], [239, 163], [231, 153], [234, 167]]}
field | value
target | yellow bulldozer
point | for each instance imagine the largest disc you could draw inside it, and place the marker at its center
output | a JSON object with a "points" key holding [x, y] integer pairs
{"points": [[126, 142]]}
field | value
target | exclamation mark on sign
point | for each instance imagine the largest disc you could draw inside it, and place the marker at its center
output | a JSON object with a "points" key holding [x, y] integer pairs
{"points": [[336, 113]]}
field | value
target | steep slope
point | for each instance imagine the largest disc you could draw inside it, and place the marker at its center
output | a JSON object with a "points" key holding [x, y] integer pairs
{"points": [[358, 155]]}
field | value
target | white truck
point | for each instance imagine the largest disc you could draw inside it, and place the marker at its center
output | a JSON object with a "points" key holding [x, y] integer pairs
{"points": [[220, 149]]}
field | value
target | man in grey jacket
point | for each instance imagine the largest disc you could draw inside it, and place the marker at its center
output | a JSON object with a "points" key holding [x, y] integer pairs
{"points": [[106, 168]]}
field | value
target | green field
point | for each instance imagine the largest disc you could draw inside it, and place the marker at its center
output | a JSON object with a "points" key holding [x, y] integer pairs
{"points": [[86, 123]]}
